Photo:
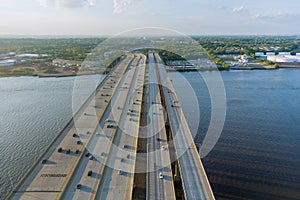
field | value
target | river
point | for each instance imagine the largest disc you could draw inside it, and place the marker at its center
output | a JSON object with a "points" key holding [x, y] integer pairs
{"points": [[256, 157], [258, 153]]}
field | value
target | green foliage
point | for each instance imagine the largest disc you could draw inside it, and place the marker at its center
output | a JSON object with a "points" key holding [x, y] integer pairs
{"points": [[8, 71], [220, 63], [69, 49], [249, 44]]}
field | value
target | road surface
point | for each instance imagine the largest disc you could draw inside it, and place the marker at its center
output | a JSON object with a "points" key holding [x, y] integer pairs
{"points": [[194, 180]]}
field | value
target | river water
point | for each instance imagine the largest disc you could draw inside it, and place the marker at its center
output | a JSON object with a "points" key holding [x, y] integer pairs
{"points": [[256, 157], [32, 112], [258, 153]]}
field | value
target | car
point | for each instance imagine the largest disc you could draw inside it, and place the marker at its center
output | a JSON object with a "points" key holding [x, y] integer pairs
{"points": [[91, 157], [120, 172], [124, 146], [78, 186], [110, 120], [109, 126], [44, 161], [59, 150], [163, 148], [161, 176], [90, 173]]}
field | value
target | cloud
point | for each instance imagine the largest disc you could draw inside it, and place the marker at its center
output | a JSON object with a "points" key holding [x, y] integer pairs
{"points": [[220, 7], [121, 5], [277, 16], [238, 9], [67, 3]]}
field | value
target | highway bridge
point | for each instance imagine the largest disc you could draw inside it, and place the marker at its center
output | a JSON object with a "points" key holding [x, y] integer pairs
{"points": [[94, 156]]}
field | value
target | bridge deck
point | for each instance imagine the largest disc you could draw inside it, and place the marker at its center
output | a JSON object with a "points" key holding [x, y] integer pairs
{"points": [[114, 185], [49, 180], [158, 157], [194, 179], [119, 98]]}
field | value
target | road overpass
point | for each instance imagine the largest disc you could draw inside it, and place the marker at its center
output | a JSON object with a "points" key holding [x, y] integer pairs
{"points": [[194, 180], [94, 156], [159, 173]]}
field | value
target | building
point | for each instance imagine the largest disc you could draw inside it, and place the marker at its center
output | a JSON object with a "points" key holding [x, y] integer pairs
{"points": [[260, 55], [31, 55], [284, 53], [243, 59], [7, 54], [8, 62], [284, 58], [270, 54]]}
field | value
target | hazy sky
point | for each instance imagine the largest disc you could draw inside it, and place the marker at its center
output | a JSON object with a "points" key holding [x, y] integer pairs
{"points": [[102, 17]]}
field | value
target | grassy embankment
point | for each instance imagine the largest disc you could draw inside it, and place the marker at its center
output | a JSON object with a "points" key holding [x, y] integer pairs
{"points": [[8, 71]]}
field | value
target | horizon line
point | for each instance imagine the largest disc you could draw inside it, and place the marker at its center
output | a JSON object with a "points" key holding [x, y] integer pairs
{"points": [[27, 36]]}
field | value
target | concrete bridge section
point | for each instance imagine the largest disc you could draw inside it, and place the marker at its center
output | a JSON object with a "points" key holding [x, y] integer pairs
{"points": [[94, 156], [194, 180]]}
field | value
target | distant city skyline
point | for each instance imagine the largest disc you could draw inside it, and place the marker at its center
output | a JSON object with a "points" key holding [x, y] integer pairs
{"points": [[109, 17]]}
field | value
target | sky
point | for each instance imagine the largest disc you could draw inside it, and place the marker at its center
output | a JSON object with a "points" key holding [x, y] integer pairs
{"points": [[109, 17]]}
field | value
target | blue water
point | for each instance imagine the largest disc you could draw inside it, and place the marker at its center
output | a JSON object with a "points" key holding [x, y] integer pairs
{"points": [[258, 153]]}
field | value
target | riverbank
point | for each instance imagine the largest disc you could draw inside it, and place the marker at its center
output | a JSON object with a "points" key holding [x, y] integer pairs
{"points": [[32, 71]]}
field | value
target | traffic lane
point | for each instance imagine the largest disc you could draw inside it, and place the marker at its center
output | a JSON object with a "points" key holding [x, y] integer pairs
{"points": [[126, 155], [159, 193], [102, 144], [194, 186], [83, 167], [104, 187]]}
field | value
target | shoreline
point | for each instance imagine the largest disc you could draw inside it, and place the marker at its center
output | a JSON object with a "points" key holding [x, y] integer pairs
{"points": [[169, 70], [51, 75]]}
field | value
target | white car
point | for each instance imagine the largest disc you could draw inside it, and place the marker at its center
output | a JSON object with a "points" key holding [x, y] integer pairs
{"points": [[161, 176]]}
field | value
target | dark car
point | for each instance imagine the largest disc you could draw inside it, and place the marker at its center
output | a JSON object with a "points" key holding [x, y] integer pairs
{"points": [[44, 161], [90, 173]]}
